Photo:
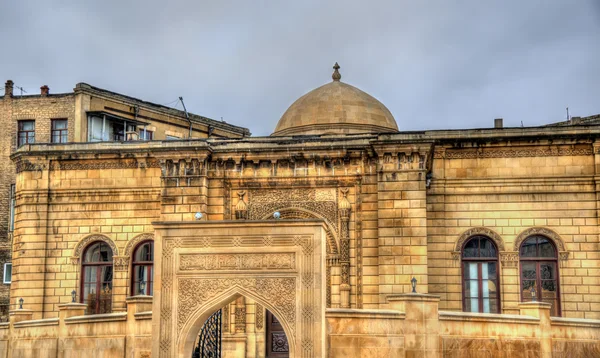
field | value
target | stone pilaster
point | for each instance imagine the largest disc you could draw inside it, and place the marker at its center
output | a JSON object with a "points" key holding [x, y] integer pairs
{"points": [[402, 217], [421, 326]]}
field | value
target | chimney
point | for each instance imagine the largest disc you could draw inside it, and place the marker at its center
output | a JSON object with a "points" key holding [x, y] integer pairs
{"points": [[498, 123], [8, 88], [44, 90]]}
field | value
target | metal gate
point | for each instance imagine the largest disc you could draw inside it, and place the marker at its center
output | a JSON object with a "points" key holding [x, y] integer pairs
{"points": [[209, 341]]}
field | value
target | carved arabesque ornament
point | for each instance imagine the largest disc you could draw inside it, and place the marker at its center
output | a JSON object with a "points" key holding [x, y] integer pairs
{"points": [[260, 317], [509, 258], [344, 210], [83, 243], [465, 236], [133, 243], [563, 254], [280, 291]]}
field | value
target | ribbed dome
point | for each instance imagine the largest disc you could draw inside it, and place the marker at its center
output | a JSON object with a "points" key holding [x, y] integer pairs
{"points": [[336, 108]]}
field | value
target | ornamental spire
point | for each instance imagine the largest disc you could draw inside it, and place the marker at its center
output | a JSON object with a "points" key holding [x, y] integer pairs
{"points": [[336, 74]]}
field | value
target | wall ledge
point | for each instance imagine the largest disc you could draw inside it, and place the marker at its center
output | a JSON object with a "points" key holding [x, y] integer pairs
{"points": [[363, 313], [94, 318], [575, 322], [143, 315], [37, 323], [486, 317]]}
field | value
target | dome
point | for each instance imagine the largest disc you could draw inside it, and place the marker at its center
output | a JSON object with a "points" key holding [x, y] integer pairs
{"points": [[336, 108]]}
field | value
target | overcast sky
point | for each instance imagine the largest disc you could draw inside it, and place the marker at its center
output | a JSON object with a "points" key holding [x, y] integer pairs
{"points": [[434, 64]]}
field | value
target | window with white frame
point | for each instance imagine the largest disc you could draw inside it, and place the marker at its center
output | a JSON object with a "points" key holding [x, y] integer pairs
{"points": [[11, 214], [7, 273]]}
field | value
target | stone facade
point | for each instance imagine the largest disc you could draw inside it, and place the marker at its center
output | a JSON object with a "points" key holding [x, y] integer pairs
{"points": [[394, 212], [410, 205]]}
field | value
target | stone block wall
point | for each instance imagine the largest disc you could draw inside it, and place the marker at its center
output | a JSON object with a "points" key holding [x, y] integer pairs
{"points": [[510, 191], [90, 200]]}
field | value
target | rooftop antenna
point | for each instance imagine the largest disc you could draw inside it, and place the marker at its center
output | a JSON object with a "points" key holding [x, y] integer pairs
{"points": [[22, 90], [521, 124], [187, 116], [568, 117]]}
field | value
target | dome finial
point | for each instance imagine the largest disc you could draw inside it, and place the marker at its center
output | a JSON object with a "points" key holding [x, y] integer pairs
{"points": [[336, 74]]}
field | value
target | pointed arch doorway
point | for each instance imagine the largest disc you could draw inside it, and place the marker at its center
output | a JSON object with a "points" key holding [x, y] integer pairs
{"points": [[202, 266]]}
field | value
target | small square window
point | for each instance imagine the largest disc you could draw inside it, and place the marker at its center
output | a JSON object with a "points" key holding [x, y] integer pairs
{"points": [[59, 131], [26, 133], [7, 273], [146, 134]]}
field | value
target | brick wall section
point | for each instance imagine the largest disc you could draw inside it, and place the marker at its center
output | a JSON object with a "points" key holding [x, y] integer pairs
{"points": [[42, 110]]}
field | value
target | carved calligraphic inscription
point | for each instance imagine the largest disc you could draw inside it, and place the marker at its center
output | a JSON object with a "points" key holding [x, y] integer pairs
{"points": [[259, 261], [280, 292]]}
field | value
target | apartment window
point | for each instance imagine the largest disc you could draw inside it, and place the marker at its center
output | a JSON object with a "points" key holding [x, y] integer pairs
{"points": [[11, 214], [26, 133], [480, 276], [171, 137], [59, 131], [97, 277], [146, 134], [143, 269], [539, 272], [104, 128], [7, 273]]}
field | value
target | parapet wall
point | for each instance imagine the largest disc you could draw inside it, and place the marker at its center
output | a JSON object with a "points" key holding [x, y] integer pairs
{"points": [[412, 327], [72, 334]]}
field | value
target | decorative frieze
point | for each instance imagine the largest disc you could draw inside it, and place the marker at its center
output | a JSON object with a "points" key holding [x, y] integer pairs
{"points": [[509, 153], [225, 262]]}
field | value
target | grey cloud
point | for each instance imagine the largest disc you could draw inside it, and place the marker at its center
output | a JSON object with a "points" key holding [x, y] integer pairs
{"points": [[434, 64]]}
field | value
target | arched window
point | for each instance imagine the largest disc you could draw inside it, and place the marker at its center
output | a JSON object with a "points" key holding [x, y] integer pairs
{"points": [[539, 272], [96, 279], [480, 276], [142, 282]]}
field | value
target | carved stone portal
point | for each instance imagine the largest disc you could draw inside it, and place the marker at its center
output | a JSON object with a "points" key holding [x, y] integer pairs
{"points": [[201, 268]]}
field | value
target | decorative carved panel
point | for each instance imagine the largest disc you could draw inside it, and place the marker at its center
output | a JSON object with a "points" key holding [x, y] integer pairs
{"points": [[509, 258], [510, 153], [254, 261], [263, 203]]}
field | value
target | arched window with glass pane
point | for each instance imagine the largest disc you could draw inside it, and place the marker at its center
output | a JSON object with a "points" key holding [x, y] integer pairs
{"points": [[97, 277], [142, 282], [539, 272], [480, 276]]}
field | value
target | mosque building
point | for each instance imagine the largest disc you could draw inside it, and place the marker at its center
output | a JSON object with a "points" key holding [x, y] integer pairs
{"points": [[339, 235]]}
